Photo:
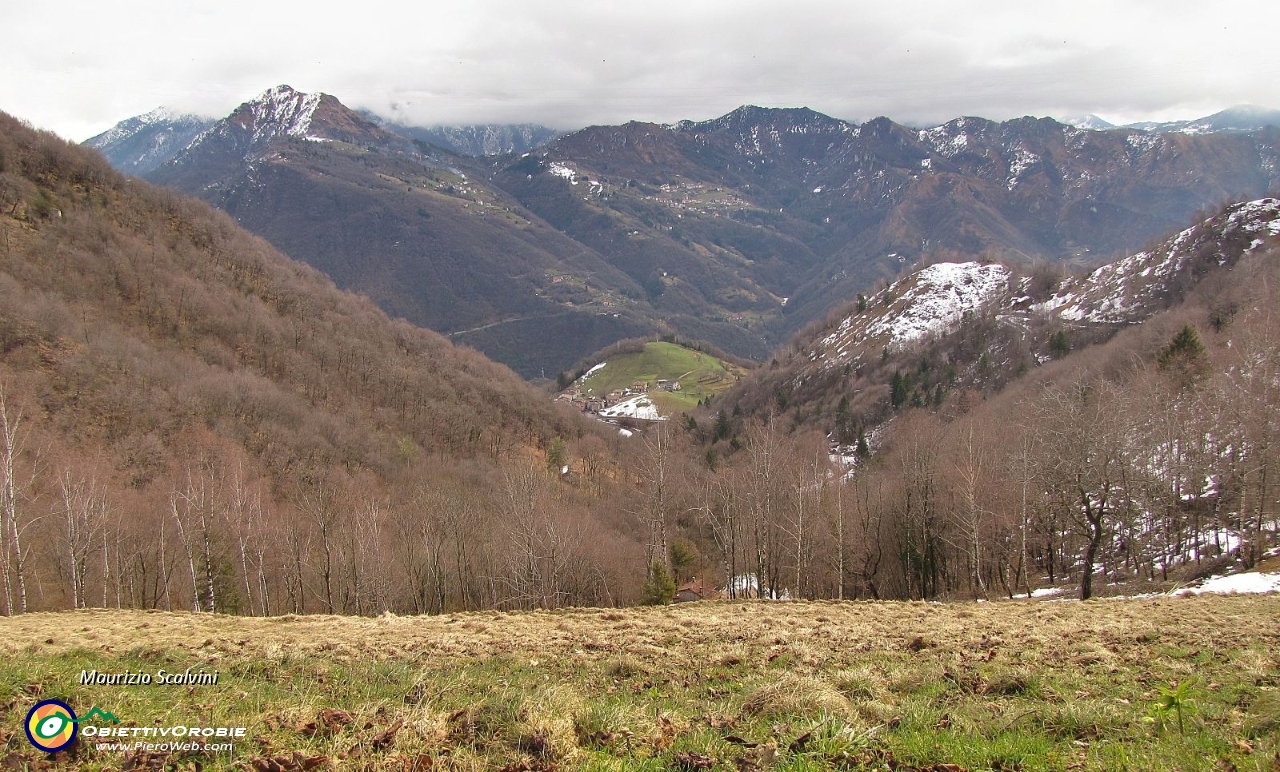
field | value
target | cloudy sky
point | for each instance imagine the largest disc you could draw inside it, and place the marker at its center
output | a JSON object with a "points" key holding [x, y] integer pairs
{"points": [[78, 67]]}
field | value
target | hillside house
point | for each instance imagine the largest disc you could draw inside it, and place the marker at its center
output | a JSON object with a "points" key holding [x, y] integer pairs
{"points": [[696, 589]]}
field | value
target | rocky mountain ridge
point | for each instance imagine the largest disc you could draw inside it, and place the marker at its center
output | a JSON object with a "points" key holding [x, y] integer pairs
{"points": [[138, 145]]}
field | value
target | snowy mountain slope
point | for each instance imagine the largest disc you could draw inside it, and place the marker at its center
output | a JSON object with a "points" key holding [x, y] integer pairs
{"points": [[1129, 290], [1239, 118], [279, 113], [929, 301], [972, 328], [139, 144], [933, 301], [482, 139]]}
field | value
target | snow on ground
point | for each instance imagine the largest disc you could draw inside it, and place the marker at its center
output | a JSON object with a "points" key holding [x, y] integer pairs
{"points": [[930, 301], [941, 295], [1115, 291], [282, 107], [1022, 160], [1046, 592], [637, 407], [588, 373], [1250, 583], [560, 170]]}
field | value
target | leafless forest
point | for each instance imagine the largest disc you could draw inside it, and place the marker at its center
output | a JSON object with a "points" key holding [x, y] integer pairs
{"points": [[188, 420]]}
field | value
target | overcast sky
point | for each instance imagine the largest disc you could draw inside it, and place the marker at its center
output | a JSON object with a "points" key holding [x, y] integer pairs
{"points": [[78, 67]]}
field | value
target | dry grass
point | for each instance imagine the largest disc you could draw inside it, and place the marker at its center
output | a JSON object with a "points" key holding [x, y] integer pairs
{"points": [[1082, 633], [1047, 685]]}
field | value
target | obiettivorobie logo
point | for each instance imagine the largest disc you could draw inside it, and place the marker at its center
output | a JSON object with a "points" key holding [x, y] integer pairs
{"points": [[51, 724]]}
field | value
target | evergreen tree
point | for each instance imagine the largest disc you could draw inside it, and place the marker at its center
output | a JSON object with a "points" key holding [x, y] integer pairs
{"points": [[722, 426], [556, 455], [659, 588], [1184, 349], [899, 390], [1184, 358], [1059, 346]]}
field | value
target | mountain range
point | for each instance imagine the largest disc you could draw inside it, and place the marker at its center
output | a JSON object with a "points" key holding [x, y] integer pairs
{"points": [[738, 230]]}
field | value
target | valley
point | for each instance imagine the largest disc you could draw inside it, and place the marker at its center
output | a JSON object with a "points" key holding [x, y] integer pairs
{"points": [[676, 386], [975, 429], [738, 231]]}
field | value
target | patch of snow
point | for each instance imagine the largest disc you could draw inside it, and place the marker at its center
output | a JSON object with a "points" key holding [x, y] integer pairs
{"points": [[1023, 159], [747, 585], [560, 170], [1250, 583], [625, 432], [1141, 141], [930, 301], [281, 110], [943, 142], [1046, 592], [640, 407], [1116, 292], [595, 369], [940, 296]]}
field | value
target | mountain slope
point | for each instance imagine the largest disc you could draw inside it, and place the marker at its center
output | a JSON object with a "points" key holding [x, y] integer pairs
{"points": [[977, 326], [410, 228], [480, 139], [164, 271], [762, 205], [138, 145], [176, 380], [1239, 118]]}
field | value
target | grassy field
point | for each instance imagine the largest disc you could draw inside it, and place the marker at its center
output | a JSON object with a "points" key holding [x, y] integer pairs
{"points": [[728, 685], [700, 375]]}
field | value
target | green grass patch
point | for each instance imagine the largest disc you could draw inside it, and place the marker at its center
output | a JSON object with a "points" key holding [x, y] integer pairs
{"points": [[700, 375]]}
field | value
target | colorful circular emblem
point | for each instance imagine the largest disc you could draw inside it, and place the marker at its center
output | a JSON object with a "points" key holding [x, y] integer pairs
{"points": [[51, 725]]}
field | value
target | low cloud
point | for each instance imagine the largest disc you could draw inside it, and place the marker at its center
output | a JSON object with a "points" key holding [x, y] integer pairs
{"points": [[570, 64]]}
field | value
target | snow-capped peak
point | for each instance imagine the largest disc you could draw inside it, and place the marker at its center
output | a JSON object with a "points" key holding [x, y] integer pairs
{"points": [[1089, 122], [282, 111], [132, 126]]}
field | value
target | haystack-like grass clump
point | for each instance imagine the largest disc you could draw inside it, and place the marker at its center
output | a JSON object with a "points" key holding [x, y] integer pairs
{"points": [[547, 729], [792, 695]]}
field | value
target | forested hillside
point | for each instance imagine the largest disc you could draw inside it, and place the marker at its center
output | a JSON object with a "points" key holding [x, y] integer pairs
{"points": [[192, 420], [991, 458]]}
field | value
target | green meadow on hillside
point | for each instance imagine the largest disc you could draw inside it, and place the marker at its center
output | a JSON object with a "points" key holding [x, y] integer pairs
{"points": [[700, 375]]}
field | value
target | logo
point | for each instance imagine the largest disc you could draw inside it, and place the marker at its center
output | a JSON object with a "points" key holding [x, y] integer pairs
{"points": [[104, 714], [51, 725]]}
